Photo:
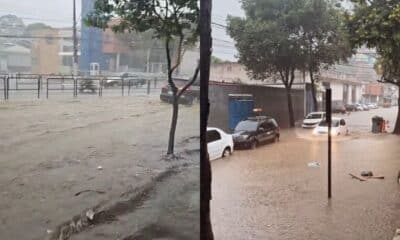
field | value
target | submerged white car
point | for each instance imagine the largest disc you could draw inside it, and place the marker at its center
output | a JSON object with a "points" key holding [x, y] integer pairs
{"points": [[339, 127], [219, 143], [313, 119]]}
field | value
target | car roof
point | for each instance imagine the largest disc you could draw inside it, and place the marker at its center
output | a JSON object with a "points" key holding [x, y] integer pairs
{"points": [[214, 128], [337, 119], [258, 118], [316, 113]]}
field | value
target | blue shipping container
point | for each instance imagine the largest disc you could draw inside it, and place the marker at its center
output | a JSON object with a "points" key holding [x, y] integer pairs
{"points": [[240, 108]]}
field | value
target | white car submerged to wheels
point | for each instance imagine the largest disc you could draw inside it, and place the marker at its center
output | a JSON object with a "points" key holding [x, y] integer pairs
{"points": [[313, 119], [219, 143], [339, 127]]}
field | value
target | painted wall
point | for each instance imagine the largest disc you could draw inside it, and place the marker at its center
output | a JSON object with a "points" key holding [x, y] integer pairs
{"points": [[272, 100], [91, 42]]}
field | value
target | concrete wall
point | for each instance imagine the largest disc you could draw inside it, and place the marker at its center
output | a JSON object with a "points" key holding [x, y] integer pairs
{"points": [[337, 91], [272, 100]]}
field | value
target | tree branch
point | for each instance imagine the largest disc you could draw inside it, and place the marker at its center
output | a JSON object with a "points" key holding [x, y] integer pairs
{"points": [[291, 77], [196, 73], [180, 55], [170, 70]]}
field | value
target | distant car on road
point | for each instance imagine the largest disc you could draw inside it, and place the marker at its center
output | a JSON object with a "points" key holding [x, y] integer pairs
{"points": [[191, 95], [255, 130], [372, 106], [359, 107], [219, 143], [366, 107], [351, 107], [339, 127], [338, 108], [313, 119]]}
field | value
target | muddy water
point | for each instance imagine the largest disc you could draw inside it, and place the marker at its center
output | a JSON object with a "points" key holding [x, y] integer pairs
{"points": [[50, 150], [271, 193]]}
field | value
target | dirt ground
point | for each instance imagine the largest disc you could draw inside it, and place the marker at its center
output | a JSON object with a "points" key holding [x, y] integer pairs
{"points": [[271, 193], [108, 148]]}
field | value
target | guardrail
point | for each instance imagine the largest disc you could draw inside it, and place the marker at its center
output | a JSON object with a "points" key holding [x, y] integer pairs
{"points": [[19, 84]]}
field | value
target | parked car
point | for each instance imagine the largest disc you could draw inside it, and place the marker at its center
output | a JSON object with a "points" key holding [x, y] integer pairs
{"points": [[255, 130], [366, 108], [359, 107], [338, 108], [219, 143], [87, 86], [351, 107], [313, 119], [373, 106], [339, 127], [191, 95], [128, 79]]}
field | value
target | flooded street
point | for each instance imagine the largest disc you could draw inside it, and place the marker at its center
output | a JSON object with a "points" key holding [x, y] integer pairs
{"points": [[271, 193], [61, 158]]}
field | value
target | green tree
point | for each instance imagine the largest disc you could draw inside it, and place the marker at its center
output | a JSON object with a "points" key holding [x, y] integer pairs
{"points": [[376, 24], [269, 41], [325, 40], [173, 21]]}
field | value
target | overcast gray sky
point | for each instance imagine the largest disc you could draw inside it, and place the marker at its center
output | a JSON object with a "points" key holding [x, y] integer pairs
{"points": [[58, 13]]}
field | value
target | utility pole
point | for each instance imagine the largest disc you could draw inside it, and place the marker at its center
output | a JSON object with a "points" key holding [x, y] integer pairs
{"points": [[205, 166], [75, 39]]}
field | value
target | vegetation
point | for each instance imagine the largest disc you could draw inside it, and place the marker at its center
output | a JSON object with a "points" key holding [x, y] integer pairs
{"points": [[172, 21], [376, 24]]}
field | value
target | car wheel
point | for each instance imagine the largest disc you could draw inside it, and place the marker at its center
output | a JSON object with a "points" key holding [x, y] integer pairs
{"points": [[227, 152], [276, 138], [253, 145]]}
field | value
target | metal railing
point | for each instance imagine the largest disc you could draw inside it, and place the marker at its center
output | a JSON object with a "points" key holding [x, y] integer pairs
{"points": [[22, 84]]}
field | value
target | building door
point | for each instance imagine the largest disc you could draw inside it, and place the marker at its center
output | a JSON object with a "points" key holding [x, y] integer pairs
{"points": [[354, 94]]}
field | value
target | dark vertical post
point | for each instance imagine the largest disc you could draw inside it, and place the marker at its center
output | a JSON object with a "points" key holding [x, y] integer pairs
{"points": [[329, 121], [205, 166], [129, 87], [8, 87], [122, 79], [5, 87], [99, 87], [148, 87], [38, 90], [47, 88]]}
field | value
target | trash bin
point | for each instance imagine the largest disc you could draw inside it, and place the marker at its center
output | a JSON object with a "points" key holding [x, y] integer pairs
{"points": [[377, 123]]}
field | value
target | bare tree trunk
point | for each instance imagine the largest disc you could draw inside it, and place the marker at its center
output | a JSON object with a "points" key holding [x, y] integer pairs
{"points": [[175, 111], [313, 91], [397, 125], [175, 104], [290, 107]]}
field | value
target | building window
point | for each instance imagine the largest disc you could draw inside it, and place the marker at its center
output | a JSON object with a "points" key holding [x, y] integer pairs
{"points": [[68, 48], [67, 61], [229, 68]]}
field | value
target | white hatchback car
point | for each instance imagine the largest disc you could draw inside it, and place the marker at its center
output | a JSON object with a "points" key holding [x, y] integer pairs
{"points": [[313, 119], [339, 127], [219, 143]]}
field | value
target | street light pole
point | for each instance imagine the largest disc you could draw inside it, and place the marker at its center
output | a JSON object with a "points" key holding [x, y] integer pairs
{"points": [[75, 41]]}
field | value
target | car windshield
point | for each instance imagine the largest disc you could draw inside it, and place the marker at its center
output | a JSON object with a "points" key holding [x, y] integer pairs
{"points": [[314, 116], [246, 126], [335, 123]]}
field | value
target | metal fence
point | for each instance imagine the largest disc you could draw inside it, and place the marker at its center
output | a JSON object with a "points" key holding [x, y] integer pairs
{"points": [[33, 86]]}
